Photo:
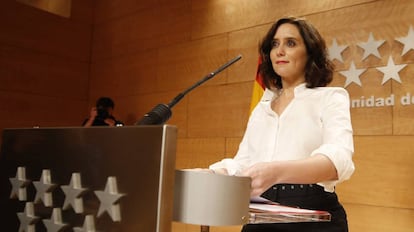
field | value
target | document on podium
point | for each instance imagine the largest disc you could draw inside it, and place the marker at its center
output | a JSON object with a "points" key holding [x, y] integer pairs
{"points": [[265, 211]]}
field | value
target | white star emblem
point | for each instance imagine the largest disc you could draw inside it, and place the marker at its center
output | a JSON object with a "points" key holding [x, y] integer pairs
{"points": [[352, 75], [335, 51], [27, 218], [408, 41], [44, 189], [55, 223], [371, 47], [109, 199], [19, 184], [73, 193], [88, 225], [391, 71]]}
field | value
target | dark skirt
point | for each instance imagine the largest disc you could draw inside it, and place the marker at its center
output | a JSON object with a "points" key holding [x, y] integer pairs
{"points": [[307, 197]]}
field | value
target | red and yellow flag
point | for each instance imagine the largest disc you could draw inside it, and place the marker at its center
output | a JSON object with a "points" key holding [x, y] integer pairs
{"points": [[258, 88]]}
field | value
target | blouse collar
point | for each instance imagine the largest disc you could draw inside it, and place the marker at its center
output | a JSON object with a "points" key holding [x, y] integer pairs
{"points": [[269, 94]]}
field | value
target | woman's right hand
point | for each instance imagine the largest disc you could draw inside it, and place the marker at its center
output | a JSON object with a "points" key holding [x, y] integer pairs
{"points": [[93, 113]]}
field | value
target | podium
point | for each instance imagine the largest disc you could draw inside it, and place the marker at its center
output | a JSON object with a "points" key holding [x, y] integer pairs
{"points": [[207, 199], [116, 179], [87, 179]]}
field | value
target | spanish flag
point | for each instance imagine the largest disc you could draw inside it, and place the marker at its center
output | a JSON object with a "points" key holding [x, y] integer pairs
{"points": [[258, 88]]}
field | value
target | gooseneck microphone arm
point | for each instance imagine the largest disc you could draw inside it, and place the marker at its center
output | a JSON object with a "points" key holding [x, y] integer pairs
{"points": [[206, 78], [162, 112]]}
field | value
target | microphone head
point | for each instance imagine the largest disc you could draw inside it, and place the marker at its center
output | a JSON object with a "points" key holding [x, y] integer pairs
{"points": [[157, 116]]}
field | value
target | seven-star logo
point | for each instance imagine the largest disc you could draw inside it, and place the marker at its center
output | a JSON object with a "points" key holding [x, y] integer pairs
{"points": [[390, 71], [109, 202]]}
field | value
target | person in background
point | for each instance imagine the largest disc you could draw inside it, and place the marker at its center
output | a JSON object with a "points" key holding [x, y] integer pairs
{"points": [[101, 114], [298, 144]]}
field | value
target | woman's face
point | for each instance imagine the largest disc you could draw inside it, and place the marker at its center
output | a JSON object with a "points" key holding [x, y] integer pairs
{"points": [[288, 54]]}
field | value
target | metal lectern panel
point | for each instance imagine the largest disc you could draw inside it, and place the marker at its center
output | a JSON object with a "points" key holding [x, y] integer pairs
{"points": [[87, 179]]}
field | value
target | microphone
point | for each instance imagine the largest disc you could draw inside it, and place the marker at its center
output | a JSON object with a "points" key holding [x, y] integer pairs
{"points": [[162, 112]]}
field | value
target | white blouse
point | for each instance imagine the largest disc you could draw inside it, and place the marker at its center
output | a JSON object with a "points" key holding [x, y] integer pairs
{"points": [[316, 121]]}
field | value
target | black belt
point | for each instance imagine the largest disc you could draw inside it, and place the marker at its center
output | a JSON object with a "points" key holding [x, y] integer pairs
{"points": [[278, 191]]}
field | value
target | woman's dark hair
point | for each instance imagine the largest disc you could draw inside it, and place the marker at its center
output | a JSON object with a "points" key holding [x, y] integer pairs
{"points": [[318, 69]]}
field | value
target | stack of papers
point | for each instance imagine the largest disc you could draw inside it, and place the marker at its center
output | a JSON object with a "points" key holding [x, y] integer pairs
{"points": [[265, 211]]}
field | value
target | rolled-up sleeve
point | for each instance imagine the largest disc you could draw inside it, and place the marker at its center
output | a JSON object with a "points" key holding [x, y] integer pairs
{"points": [[337, 142]]}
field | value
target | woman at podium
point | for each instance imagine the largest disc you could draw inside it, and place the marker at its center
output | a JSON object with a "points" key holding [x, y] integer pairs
{"points": [[298, 143]]}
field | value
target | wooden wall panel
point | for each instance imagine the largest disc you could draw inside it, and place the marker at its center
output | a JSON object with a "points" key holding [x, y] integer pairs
{"points": [[370, 120], [199, 153], [33, 29], [216, 17], [125, 35], [36, 73], [182, 65], [232, 145], [219, 111], [366, 218], [177, 30], [383, 175], [245, 42], [147, 28], [82, 11], [224, 228], [108, 10], [27, 110], [125, 76], [44, 65], [404, 110]]}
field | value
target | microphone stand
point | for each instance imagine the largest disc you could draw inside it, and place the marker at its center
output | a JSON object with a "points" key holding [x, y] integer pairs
{"points": [[162, 112]]}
